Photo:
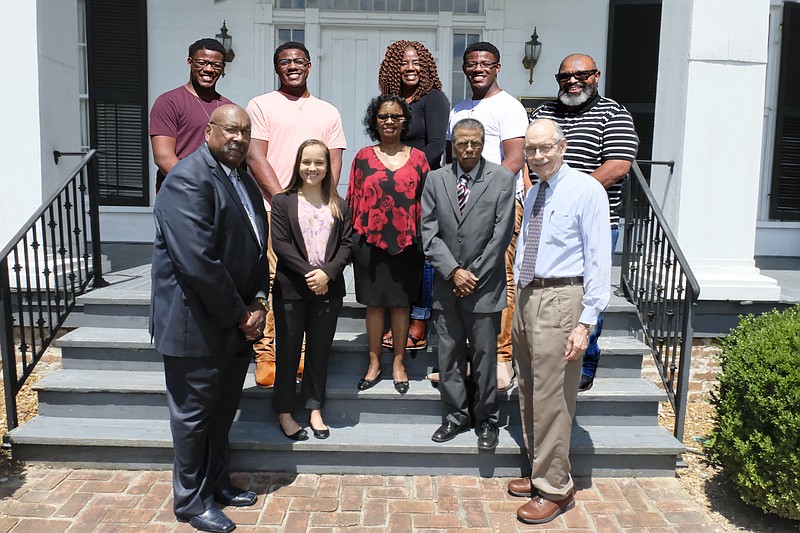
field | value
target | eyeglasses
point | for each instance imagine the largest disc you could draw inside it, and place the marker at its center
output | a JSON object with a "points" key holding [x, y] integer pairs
{"points": [[581, 75], [463, 145], [472, 65], [383, 117], [299, 61], [202, 63], [230, 131], [545, 150]]}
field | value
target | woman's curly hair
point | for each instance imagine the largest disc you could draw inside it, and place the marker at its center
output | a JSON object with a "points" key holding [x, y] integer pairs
{"points": [[389, 77]]}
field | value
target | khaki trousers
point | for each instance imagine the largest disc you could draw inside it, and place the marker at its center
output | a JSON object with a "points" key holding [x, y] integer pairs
{"points": [[265, 346], [548, 385], [504, 345]]}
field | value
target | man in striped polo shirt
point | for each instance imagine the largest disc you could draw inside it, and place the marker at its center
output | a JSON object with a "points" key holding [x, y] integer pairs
{"points": [[601, 141]]}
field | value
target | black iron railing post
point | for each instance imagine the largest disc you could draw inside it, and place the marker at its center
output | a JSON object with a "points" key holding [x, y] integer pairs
{"points": [[658, 280], [7, 346], [94, 221]]}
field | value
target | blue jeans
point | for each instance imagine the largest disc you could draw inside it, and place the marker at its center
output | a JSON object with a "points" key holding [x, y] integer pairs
{"points": [[592, 355], [422, 311]]}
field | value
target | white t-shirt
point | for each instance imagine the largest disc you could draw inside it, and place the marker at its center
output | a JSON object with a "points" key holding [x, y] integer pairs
{"points": [[503, 117]]}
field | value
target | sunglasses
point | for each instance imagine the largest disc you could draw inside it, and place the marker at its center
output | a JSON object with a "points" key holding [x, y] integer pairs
{"points": [[581, 75]]}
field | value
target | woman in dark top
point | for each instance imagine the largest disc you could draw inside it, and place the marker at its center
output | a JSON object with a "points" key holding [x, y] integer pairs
{"points": [[409, 70], [384, 195], [311, 235]]}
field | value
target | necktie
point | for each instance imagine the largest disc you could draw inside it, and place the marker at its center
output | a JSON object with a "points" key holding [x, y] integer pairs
{"points": [[526, 271], [463, 192], [248, 207]]}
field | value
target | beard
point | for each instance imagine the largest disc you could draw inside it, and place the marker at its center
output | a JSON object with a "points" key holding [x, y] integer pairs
{"points": [[575, 100]]}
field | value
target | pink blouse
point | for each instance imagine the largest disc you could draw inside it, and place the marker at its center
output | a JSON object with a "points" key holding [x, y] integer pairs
{"points": [[315, 224]]}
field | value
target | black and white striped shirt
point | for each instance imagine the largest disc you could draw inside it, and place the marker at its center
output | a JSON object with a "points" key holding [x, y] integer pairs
{"points": [[600, 131]]}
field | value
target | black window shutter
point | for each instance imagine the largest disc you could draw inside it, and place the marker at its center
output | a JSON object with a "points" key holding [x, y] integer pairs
{"points": [[632, 64], [784, 201], [117, 53]]}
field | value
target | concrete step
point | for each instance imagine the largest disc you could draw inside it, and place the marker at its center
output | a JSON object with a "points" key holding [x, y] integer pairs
{"points": [[142, 395], [391, 449], [99, 348]]}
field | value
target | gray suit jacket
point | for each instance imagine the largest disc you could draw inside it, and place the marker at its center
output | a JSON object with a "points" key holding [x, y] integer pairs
{"points": [[476, 241], [208, 263]]}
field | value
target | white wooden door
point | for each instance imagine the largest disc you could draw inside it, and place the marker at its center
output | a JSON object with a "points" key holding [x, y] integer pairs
{"points": [[348, 71]]}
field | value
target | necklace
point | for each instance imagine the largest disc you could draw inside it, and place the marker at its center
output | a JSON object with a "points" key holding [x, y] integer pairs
{"points": [[200, 101]]}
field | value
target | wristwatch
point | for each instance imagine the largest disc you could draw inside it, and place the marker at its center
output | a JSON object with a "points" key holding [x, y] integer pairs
{"points": [[264, 303]]}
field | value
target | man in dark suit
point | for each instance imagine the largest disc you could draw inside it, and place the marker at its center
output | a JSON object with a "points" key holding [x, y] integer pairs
{"points": [[209, 286], [467, 224]]}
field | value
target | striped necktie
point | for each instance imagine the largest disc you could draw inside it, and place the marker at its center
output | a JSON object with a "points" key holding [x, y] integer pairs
{"points": [[463, 192], [527, 270]]}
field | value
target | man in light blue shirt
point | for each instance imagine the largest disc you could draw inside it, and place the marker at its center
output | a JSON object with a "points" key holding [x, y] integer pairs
{"points": [[562, 272]]}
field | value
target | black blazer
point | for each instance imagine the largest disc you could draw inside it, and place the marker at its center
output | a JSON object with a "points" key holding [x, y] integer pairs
{"points": [[290, 248], [208, 263]]}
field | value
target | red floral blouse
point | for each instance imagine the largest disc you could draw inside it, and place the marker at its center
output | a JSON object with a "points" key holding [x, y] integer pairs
{"points": [[386, 203]]}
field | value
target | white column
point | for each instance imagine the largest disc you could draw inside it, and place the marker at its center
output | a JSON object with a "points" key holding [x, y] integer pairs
{"points": [[20, 148], [709, 117]]}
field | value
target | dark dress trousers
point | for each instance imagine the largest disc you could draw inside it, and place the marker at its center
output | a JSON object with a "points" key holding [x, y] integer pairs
{"points": [[475, 240], [208, 265], [298, 310]]}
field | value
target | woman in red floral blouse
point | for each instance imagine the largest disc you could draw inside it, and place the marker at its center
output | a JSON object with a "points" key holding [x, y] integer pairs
{"points": [[384, 194]]}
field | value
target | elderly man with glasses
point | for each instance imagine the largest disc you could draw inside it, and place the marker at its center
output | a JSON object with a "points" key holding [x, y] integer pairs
{"points": [[562, 273], [602, 142]]}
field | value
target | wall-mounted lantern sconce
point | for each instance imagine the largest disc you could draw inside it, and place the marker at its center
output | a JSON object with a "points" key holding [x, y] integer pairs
{"points": [[226, 41], [532, 50]]}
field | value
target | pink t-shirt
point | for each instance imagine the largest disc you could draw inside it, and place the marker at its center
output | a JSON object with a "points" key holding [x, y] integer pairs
{"points": [[285, 122], [183, 116]]}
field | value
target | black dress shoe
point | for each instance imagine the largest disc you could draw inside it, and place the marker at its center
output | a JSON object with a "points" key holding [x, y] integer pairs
{"points": [[236, 497], [213, 521], [448, 431], [321, 433], [364, 383], [401, 386], [586, 383], [488, 436], [298, 435]]}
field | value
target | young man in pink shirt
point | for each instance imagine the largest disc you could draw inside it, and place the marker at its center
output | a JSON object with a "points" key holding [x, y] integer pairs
{"points": [[282, 120]]}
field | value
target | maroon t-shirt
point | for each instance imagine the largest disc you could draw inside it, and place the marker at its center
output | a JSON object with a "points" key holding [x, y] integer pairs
{"points": [[183, 116]]}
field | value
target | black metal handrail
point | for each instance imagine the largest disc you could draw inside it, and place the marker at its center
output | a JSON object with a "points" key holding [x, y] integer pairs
{"points": [[657, 278], [42, 270]]}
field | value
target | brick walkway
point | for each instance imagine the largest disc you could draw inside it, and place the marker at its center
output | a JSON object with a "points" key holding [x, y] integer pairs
{"points": [[50, 500]]}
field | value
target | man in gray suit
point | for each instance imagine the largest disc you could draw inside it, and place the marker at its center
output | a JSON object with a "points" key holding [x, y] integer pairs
{"points": [[467, 224], [209, 286]]}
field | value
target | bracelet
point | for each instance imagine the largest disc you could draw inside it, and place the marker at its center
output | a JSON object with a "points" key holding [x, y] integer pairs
{"points": [[264, 303]]}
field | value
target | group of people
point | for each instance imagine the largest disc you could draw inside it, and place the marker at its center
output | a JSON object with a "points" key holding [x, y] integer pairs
{"points": [[474, 212]]}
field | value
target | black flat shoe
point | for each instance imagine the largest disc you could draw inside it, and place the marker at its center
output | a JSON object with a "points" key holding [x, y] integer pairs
{"points": [[300, 434], [321, 433], [401, 386], [586, 383], [365, 384]]}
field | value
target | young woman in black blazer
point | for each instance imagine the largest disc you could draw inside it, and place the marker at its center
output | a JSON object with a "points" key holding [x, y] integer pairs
{"points": [[311, 236]]}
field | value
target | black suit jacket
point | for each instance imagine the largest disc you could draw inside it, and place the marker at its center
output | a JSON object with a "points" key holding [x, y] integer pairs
{"points": [[290, 248], [208, 263]]}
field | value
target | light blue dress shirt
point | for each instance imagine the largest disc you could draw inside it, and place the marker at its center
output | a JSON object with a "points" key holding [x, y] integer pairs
{"points": [[575, 240]]}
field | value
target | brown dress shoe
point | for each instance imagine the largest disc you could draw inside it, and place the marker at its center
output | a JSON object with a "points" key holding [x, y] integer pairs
{"points": [[265, 374], [540, 510], [521, 487]]}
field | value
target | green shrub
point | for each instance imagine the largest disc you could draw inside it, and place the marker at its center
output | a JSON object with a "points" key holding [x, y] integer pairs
{"points": [[756, 434]]}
